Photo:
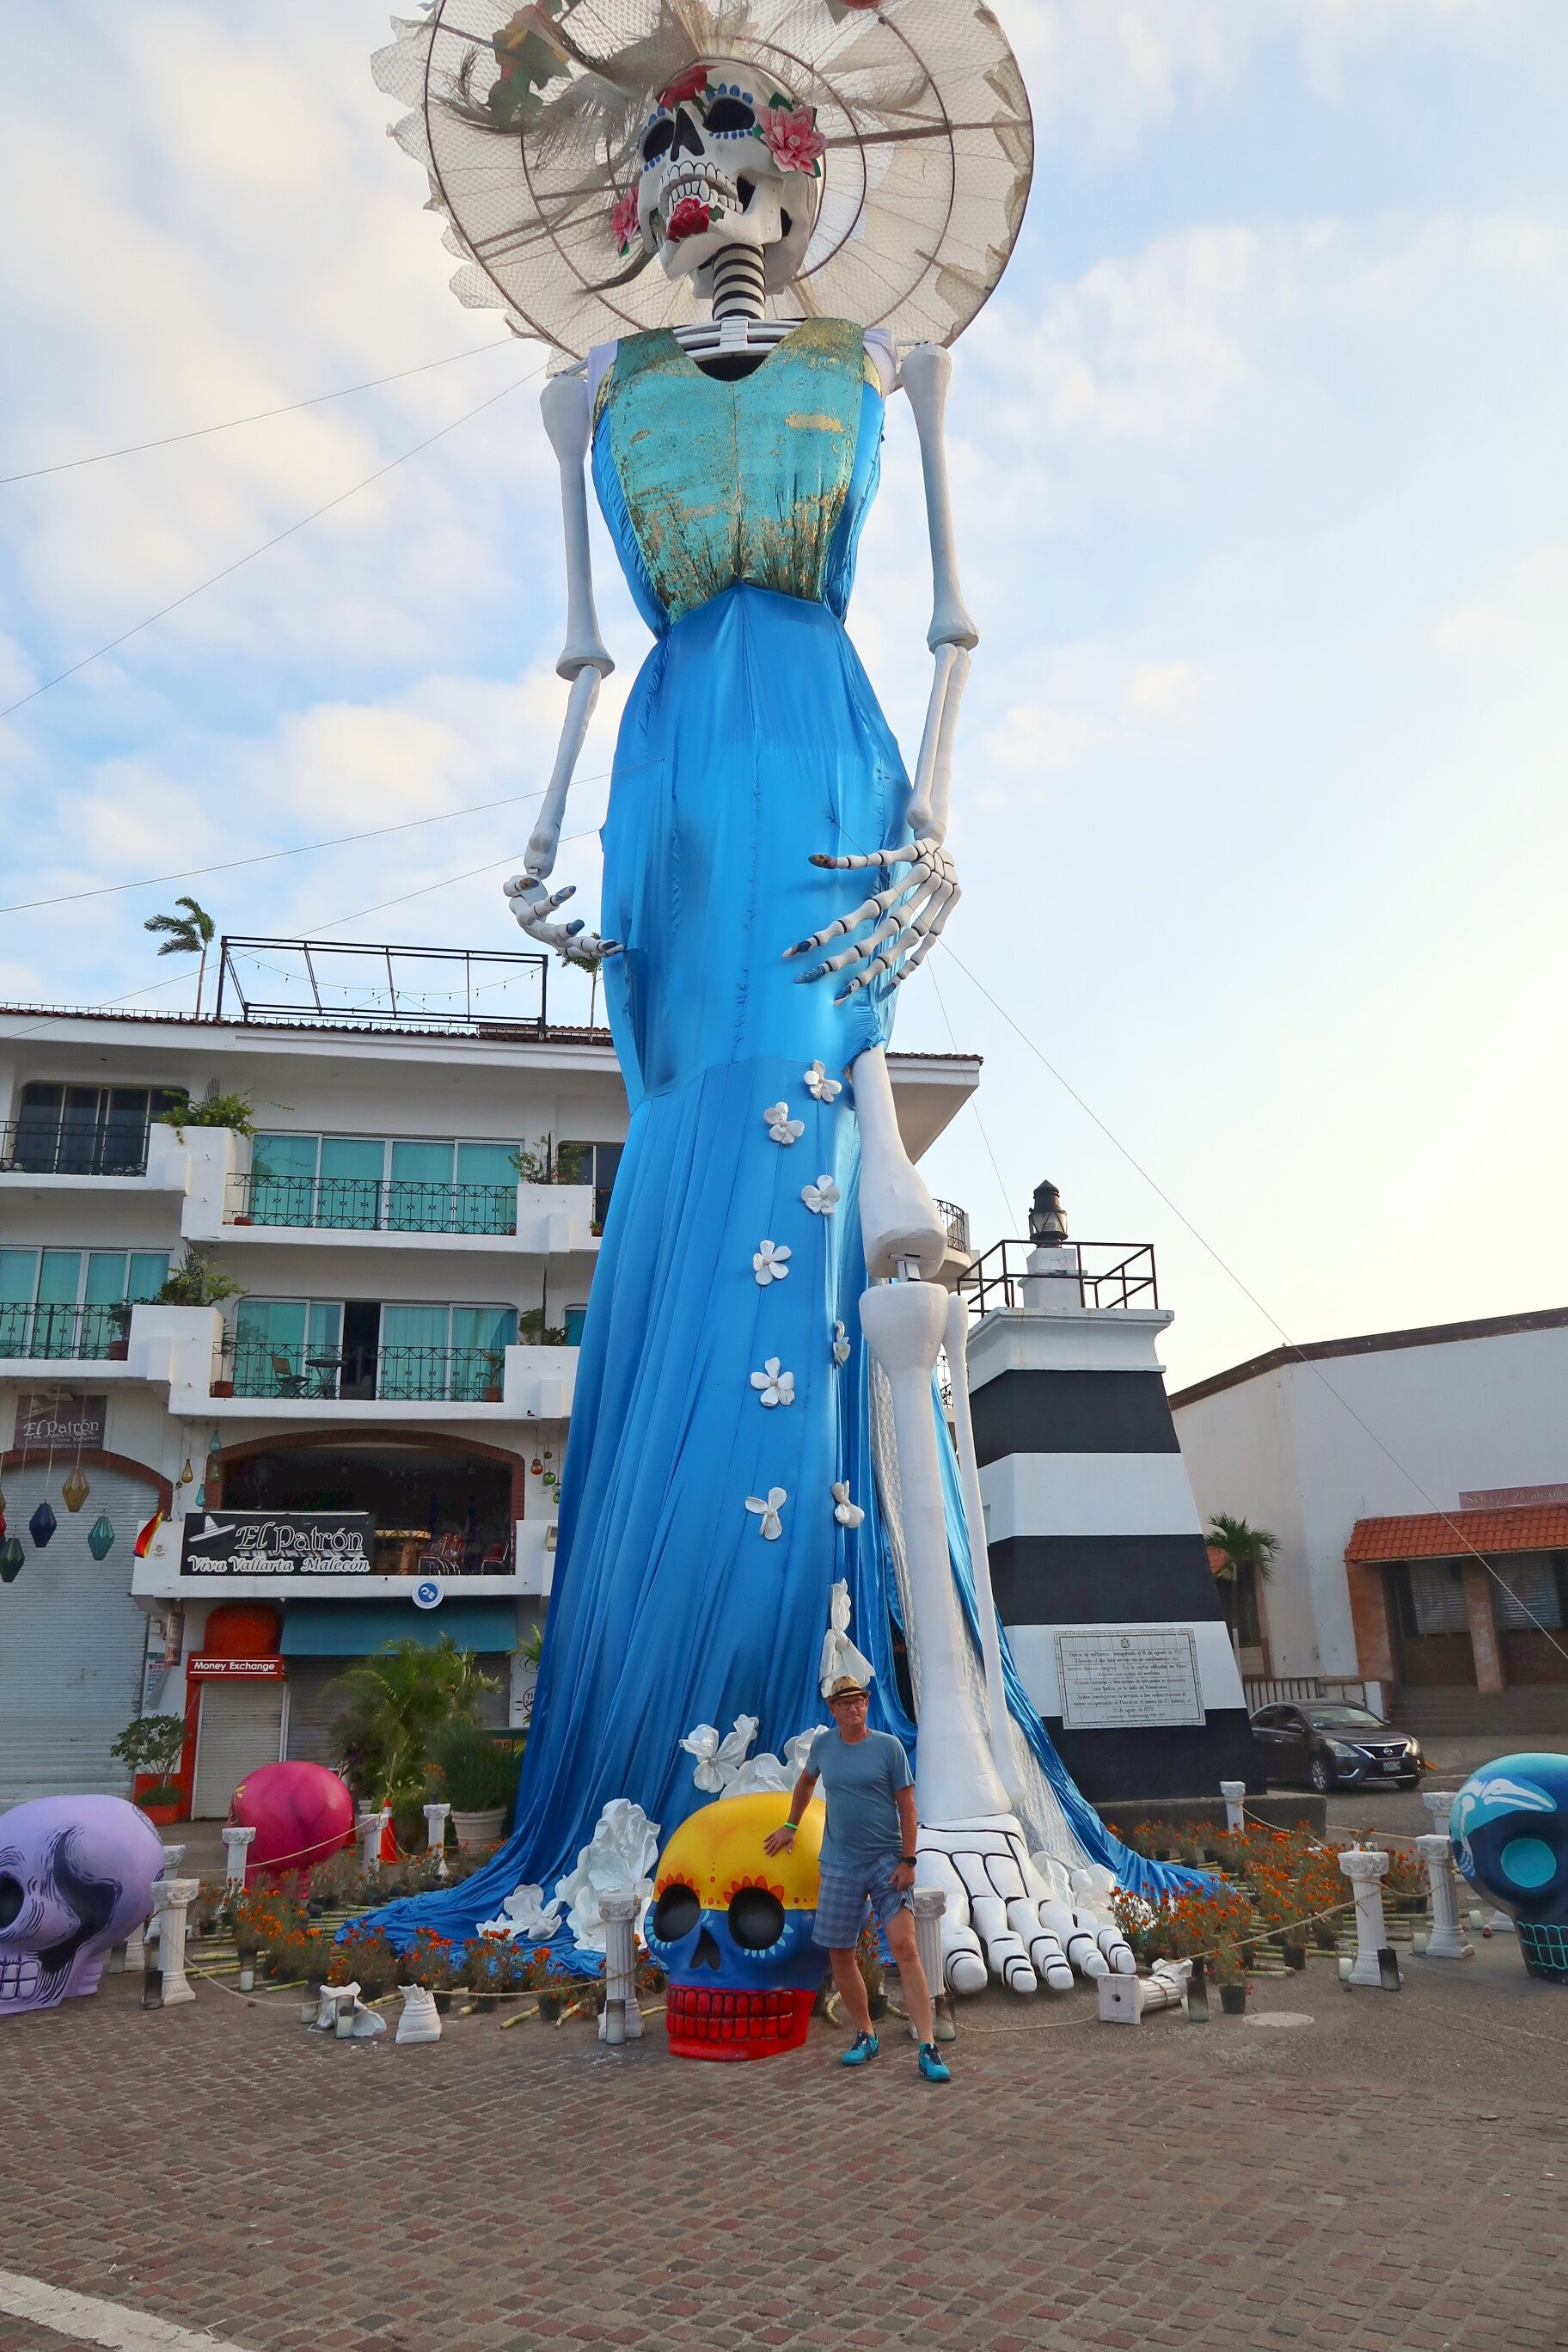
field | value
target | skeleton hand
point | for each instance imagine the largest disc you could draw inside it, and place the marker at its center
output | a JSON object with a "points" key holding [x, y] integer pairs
{"points": [[907, 917], [532, 904], [1000, 1917]]}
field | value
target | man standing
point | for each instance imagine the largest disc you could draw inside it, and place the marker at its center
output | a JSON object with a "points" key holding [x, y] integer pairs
{"points": [[867, 1857]]}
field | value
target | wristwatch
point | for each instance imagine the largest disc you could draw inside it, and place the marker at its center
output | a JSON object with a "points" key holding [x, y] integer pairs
{"points": [[906, 1862]]}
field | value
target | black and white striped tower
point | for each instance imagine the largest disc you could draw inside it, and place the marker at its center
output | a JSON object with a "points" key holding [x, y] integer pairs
{"points": [[1099, 1564]]}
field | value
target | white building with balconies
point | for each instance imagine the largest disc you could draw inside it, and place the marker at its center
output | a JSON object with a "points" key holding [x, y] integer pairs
{"points": [[211, 1509]]}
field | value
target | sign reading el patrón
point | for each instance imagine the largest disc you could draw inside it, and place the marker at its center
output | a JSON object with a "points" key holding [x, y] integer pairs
{"points": [[279, 1543], [1116, 1677]]}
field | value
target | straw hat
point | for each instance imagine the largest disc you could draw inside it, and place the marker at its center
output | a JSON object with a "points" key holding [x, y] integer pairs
{"points": [[529, 122]]}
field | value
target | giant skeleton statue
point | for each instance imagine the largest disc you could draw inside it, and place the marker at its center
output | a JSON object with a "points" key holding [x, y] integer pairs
{"points": [[772, 878]]}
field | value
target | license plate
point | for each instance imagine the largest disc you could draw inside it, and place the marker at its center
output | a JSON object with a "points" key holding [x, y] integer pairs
{"points": [[1393, 1768]]}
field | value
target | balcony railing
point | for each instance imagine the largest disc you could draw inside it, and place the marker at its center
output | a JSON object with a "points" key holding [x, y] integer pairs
{"points": [[53, 1146], [392, 1375], [87, 1333], [1101, 1274], [368, 1204], [956, 1219]]}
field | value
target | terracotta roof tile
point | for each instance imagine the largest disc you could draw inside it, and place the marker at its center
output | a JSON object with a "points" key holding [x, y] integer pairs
{"points": [[1444, 1534]]}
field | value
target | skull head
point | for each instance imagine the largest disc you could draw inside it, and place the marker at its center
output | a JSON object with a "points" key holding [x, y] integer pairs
{"points": [[726, 160], [76, 1876], [1509, 1825], [733, 1928]]}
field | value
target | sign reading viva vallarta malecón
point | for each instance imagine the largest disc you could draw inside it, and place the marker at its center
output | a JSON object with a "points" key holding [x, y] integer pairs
{"points": [[279, 1543]]}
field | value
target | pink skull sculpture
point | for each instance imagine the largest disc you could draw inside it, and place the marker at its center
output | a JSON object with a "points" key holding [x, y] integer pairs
{"points": [[76, 1876]]}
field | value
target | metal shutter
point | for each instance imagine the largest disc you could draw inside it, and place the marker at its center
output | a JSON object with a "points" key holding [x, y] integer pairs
{"points": [[71, 1638], [241, 1726]]}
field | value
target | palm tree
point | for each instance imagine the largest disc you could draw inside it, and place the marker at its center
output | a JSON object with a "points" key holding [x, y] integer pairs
{"points": [[189, 934], [1241, 1547], [398, 1701]]}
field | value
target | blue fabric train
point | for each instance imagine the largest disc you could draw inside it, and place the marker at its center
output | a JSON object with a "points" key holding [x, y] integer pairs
{"points": [[751, 741]]}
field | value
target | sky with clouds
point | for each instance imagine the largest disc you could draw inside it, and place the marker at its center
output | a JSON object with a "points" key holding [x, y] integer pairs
{"points": [[1260, 472]]}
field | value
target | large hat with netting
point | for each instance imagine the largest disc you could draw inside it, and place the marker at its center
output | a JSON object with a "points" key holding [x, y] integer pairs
{"points": [[529, 122]]}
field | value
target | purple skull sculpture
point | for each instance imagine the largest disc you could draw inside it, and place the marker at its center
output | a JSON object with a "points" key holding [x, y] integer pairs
{"points": [[76, 1876]]}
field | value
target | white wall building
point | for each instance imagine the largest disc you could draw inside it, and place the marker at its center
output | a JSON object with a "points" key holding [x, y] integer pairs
{"points": [[1456, 1435], [383, 1409]]}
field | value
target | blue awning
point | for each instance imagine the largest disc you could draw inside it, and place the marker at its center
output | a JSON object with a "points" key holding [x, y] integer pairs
{"points": [[357, 1629]]}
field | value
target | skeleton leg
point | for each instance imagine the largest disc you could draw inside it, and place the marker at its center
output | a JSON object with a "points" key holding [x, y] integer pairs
{"points": [[899, 1222]]}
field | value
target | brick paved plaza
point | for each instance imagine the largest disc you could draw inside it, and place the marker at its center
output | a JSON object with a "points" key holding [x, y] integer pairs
{"points": [[1392, 2175]]}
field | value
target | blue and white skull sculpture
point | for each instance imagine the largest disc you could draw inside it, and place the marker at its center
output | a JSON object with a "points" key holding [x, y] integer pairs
{"points": [[1509, 1825]]}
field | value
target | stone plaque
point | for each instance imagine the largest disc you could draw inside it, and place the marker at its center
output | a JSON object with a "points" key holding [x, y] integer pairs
{"points": [[1118, 1677]]}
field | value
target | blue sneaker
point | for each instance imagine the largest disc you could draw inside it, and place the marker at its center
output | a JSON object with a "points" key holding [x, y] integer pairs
{"points": [[931, 2064], [861, 2050]]}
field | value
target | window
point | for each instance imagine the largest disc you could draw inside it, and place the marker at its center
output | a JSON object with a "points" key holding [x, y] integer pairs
{"points": [[590, 1163], [61, 1302], [1524, 1592], [444, 1352], [1431, 1595], [64, 1130], [355, 1181], [287, 1346]]}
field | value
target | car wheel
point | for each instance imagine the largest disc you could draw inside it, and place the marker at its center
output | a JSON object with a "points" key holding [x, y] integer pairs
{"points": [[1321, 1775]]}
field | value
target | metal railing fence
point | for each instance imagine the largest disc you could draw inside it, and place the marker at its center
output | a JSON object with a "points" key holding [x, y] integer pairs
{"points": [[1098, 1274], [54, 1145]]}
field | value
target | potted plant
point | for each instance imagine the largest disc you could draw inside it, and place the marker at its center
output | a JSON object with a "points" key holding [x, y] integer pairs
{"points": [[1231, 1976], [495, 1373], [428, 1962], [477, 1779], [117, 1318], [153, 1747], [195, 1283]]}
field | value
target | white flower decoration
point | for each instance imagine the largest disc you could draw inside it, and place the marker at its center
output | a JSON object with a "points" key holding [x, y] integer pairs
{"points": [[848, 1513], [781, 1127], [768, 1511], [840, 1344], [525, 1913], [821, 1198], [819, 1083], [770, 1263], [777, 1388]]}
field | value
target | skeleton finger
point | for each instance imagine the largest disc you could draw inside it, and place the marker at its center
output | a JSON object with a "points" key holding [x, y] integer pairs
{"points": [[867, 908], [911, 849], [930, 925]]}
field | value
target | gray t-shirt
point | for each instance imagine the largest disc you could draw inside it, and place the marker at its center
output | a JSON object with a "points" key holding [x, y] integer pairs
{"points": [[860, 1779]]}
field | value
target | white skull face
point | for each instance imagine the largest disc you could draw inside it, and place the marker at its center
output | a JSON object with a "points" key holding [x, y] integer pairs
{"points": [[76, 1876], [728, 161]]}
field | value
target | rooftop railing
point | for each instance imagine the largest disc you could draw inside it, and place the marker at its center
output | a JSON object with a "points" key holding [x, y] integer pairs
{"points": [[370, 1205], [85, 1333], [956, 1220], [1098, 1274], [53, 1146]]}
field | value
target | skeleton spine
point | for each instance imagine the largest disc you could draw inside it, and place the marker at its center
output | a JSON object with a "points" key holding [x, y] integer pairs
{"points": [[737, 283]]}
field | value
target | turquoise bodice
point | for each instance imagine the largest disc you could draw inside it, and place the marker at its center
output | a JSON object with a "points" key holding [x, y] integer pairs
{"points": [[765, 481]]}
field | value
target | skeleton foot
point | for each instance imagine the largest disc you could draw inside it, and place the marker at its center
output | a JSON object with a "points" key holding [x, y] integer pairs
{"points": [[908, 917], [532, 904], [996, 1922]]}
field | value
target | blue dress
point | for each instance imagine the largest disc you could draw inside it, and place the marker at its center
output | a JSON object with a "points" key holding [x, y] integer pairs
{"points": [[752, 740]]}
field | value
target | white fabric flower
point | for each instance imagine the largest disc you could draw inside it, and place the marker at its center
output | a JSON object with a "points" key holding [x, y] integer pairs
{"points": [[770, 1263], [839, 1656], [840, 1344], [848, 1513], [777, 1388], [798, 1750], [618, 1859], [819, 1083], [781, 1127], [768, 1511], [823, 1197], [525, 1913], [718, 1760], [759, 1773]]}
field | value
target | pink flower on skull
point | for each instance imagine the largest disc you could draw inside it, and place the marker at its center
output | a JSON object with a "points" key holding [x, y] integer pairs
{"points": [[791, 137], [624, 220]]}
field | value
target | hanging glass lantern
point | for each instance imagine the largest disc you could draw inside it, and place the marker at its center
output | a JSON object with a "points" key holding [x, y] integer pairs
{"points": [[536, 1466], [75, 1488], [2, 1502], [2, 1527], [11, 1556], [187, 1474], [202, 1495], [42, 1524], [101, 1537]]}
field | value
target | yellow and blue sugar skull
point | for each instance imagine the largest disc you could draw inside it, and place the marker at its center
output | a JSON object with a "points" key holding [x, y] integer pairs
{"points": [[732, 1926]]}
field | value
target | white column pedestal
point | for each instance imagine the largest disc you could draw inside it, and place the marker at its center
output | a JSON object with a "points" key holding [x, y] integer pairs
{"points": [[236, 1846], [436, 1818], [622, 2019], [1446, 1941], [179, 1894], [1366, 1867], [368, 1828], [1234, 1793], [930, 1908]]}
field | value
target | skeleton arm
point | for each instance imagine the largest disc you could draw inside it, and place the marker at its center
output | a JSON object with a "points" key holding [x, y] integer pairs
{"points": [[584, 660], [908, 914]]}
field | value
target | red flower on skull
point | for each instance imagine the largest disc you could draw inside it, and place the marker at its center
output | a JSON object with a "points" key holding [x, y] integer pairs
{"points": [[690, 218], [624, 220], [689, 84]]}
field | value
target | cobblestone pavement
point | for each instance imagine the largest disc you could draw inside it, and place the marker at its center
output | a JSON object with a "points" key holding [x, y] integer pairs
{"points": [[1391, 2175]]}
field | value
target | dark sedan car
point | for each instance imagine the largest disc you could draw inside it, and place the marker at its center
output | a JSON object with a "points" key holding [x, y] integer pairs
{"points": [[1334, 1744]]}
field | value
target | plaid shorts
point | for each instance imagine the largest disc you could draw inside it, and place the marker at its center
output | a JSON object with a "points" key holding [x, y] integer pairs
{"points": [[847, 1890]]}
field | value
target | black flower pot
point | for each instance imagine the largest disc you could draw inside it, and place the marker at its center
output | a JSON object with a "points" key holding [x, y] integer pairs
{"points": [[1295, 1956], [1233, 2000]]}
